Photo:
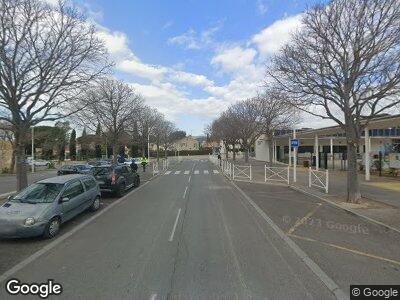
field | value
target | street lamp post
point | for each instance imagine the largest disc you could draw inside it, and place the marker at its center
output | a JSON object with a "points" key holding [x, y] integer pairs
{"points": [[33, 150], [148, 145]]}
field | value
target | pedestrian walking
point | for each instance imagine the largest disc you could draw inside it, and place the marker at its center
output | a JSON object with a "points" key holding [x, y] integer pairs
{"points": [[134, 166], [144, 161]]}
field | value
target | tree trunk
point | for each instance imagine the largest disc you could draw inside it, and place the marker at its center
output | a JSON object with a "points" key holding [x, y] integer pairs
{"points": [[115, 151], [21, 170], [158, 152], [353, 185], [226, 151], [270, 150], [12, 163], [246, 154]]}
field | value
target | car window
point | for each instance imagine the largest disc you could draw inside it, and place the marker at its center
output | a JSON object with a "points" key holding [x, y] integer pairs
{"points": [[118, 170], [98, 171], [39, 193], [89, 183], [73, 190]]}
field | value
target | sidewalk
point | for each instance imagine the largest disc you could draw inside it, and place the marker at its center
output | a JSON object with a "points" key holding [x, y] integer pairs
{"points": [[381, 195]]}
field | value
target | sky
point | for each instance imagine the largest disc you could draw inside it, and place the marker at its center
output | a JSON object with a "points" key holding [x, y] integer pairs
{"points": [[191, 59]]}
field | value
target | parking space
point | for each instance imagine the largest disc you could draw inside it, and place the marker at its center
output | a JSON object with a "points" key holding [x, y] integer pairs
{"points": [[13, 251], [332, 237]]}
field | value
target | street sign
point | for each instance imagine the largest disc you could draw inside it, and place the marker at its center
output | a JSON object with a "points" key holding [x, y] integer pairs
{"points": [[295, 143]]}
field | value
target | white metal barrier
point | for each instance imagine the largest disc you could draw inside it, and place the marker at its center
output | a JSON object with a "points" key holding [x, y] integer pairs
{"points": [[227, 168], [318, 179], [277, 174], [155, 168], [241, 172], [165, 164]]}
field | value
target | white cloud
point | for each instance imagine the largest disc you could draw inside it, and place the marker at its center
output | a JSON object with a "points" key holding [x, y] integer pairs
{"points": [[272, 38], [137, 68], [190, 78], [261, 7], [115, 42], [234, 59], [167, 25], [193, 40], [187, 40]]}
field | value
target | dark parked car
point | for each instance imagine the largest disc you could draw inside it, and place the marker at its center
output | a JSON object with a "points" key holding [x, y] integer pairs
{"points": [[99, 163], [42, 207], [74, 169], [115, 178]]}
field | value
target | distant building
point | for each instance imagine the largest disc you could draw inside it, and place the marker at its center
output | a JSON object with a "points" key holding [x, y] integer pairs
{"points": [[188, 143]]}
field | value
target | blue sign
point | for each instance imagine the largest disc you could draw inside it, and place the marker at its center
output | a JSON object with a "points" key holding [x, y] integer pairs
{"points": [[295, 143]]}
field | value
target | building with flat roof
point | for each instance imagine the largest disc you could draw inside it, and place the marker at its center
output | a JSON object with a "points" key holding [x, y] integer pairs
{"points": [[326, 147]]}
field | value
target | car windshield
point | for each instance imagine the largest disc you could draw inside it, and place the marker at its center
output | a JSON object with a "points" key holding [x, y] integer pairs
{"points": [[39, 193], [98, 171], [81, 167]]}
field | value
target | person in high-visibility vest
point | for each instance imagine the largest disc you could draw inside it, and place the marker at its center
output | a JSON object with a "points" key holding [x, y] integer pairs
{"points": [[144, 161]]}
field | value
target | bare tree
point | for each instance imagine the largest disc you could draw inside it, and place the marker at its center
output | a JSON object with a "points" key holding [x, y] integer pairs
{"points": [[344, 65], [278, 114], [145, 125], [248, 119], [224, 129], [47, 55], [167, 137], [112, 104], [158, 133]]}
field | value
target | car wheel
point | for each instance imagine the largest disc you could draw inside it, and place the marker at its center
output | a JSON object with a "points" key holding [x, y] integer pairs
{"points": [[52, 228], [120, 190], [95, 205]]}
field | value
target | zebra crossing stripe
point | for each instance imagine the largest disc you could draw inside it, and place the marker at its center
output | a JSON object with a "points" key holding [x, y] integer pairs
{"points": [[196, 172], [187, 172], [215, 171], [205, 171], [168, 172], [178, 172]]}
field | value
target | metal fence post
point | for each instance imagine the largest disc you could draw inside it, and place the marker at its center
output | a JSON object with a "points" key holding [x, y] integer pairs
{"points": [[288, 175], [327, 182], [309, 177], [265, 173]]}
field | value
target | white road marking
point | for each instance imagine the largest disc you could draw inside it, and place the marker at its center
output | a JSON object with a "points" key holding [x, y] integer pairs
{"points": [[190, 177], [205, 171], [177, 172], [184, 194], [215, 171], [171, 238], [187, 172], [168, 172], [196, 172], [153, 297]]}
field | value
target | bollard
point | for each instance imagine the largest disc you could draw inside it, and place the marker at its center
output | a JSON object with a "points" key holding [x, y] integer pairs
{"points": [[327, 182], [309, 177]]}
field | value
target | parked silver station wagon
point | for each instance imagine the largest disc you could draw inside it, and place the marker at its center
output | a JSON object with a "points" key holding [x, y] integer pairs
{"points": [[42, 207]]}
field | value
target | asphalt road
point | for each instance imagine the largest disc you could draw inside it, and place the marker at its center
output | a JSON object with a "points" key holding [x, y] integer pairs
{"points": [[191, 234]]}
